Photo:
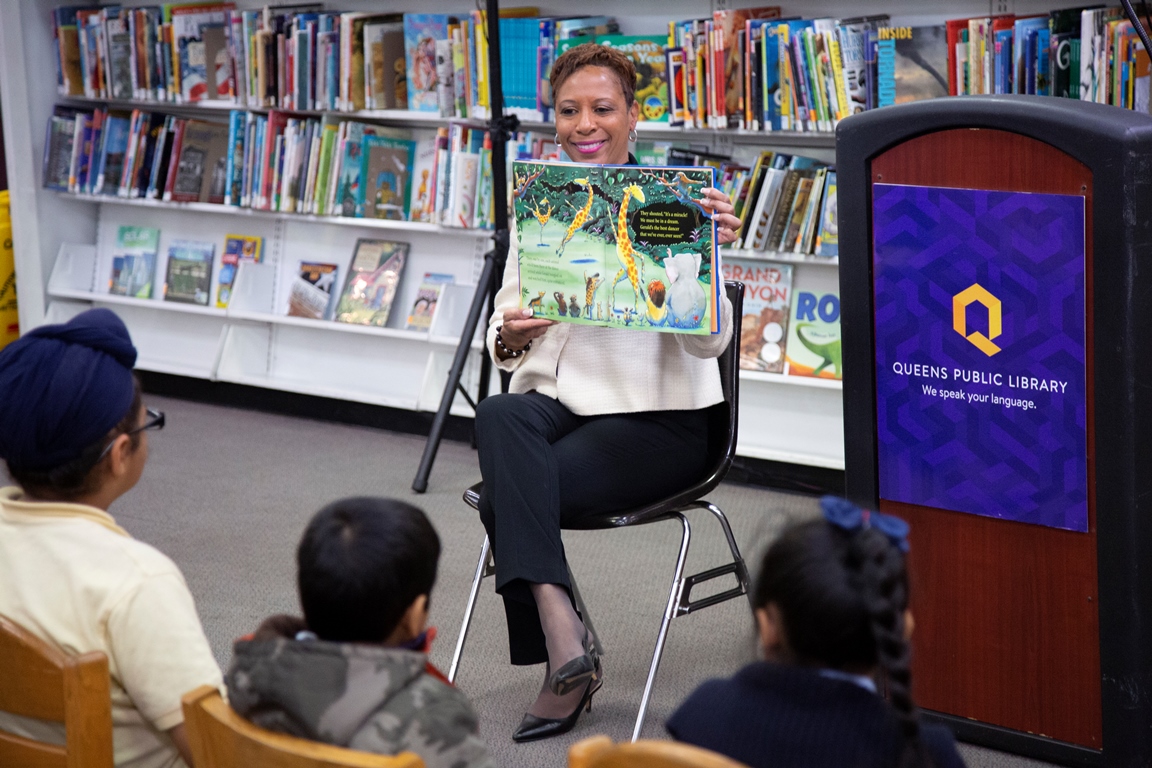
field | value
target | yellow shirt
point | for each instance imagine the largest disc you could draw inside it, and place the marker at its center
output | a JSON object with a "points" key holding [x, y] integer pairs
{"points": [[72, 577]]}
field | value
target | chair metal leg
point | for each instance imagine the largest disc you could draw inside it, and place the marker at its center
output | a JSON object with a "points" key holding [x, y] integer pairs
{"points": [[482, 570], [737, 558], [584, 614], [669, 612]]}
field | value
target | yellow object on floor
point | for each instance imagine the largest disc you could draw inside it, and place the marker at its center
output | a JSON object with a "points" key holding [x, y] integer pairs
{"points": [[9, 317]]}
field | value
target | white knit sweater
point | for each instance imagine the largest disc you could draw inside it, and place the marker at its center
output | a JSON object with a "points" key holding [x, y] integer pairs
{"points": [[593, 370]]}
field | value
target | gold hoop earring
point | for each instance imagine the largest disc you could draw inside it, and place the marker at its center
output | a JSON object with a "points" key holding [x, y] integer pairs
{"points": [[632, 135]]}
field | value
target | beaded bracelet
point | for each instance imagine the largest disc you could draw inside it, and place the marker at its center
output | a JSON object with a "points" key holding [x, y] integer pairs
{"points": [[510, 353]]}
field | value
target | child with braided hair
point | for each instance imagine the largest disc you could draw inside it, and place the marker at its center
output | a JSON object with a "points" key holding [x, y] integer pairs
{"points": [[831, 609]]}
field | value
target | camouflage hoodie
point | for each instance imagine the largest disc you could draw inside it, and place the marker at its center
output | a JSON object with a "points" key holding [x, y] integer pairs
{"points": [[370, 698]]}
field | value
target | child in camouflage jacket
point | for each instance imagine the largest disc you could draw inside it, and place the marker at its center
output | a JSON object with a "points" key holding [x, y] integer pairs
{"points": [[354, 671]]}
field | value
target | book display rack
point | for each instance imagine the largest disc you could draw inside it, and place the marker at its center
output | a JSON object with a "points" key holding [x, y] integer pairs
{"points": [[68, 242]]}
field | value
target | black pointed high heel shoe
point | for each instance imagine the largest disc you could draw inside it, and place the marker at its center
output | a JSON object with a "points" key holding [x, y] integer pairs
{"points": [[576, 673], [533, 728]]}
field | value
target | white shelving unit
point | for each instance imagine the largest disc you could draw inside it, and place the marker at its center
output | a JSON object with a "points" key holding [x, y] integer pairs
{"points": [[783, 418]]}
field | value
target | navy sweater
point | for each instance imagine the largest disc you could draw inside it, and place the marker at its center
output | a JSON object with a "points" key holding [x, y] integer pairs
{"points": [[773, 716]]}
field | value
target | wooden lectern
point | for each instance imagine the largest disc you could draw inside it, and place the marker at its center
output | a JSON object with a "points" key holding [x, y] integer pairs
{"points": [[998, 396]]}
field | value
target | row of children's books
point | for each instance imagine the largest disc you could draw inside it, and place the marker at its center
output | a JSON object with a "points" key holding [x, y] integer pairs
{"points": [[370, 279], [188, 275], [752, 70], [786, 203], [303, 57], [795, 333], [275, 161], [1088, 53]]}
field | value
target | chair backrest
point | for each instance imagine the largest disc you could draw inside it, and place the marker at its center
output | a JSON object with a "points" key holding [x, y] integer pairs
{"points": [[40, 681], [725, 418], [600, 752], [723, 423], [220, 738]]}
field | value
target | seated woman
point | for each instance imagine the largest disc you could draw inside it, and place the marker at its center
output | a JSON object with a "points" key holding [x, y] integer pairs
{"points": [[354, 671], [597, 419], [73, 433], [832, 613]]}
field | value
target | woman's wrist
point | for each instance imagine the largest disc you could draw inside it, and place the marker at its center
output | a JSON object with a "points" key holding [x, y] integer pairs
{"points": [[507, 351]]}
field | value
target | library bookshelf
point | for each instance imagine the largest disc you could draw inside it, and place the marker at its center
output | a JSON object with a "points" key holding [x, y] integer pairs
{"points": [[63, 244]]}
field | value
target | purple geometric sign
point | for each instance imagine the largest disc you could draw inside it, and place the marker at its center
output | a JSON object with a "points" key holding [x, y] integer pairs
{"points": [[980, 373]]}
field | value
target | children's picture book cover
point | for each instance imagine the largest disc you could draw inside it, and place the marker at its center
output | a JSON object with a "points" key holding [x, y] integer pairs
{"points": [[189, 272], [312, 289], [427, 297], [617, 245], [647, 55], [421, 31], [237, 248], [828, 241], [385, 177], [134, 261], [813, 347], [767, 294], [372, 281], [912, 64]]}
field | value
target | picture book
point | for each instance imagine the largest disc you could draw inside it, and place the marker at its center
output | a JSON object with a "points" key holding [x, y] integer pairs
{"points": [[619, 246], [767, 291], [421, 31], [202, 166], [385, 177], [423, 181], [828, 241], [647, 55], [134, 261], [427, 296], [237, 248], [58, 149], [813, 347], [384, 66], [112, 155], [372, 281], [912, 64], [191, 53], [189, 272], [312, 289]]}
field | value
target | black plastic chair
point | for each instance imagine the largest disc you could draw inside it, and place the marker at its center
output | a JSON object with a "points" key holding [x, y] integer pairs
{"points": [[722, 427]]}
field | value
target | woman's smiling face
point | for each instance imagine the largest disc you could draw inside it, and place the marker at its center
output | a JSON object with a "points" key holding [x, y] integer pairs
{"points": [[592, 119]]}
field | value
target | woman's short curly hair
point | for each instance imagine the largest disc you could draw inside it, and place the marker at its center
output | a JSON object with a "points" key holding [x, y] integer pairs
{"points": [[595, 55]]}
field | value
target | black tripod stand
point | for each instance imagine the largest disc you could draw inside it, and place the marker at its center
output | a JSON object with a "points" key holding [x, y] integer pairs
{"points": [[500, 129]]}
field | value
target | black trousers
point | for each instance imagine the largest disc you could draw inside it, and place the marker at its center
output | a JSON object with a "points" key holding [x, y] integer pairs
{"points": [[544, 468]]}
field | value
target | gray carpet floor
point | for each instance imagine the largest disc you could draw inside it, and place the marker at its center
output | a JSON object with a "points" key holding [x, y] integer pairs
{"points": [[227, 493]]}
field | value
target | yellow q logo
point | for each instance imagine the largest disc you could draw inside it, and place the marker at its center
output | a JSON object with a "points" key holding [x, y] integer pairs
{"points": [[960, 302]]}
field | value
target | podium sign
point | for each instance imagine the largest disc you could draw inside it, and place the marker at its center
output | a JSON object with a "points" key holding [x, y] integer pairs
{"points": [[996, 296], [979, 306]]}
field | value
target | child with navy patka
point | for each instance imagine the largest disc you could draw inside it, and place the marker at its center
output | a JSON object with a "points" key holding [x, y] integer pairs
{"points": [[74, 439], [833, 624]]}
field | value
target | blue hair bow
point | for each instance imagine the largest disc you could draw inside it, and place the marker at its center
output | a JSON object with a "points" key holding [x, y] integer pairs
{"points": [[846, 515]]}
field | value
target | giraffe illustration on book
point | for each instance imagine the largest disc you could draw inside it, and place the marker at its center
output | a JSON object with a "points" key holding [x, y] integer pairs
{"points": [[590, 286], [624, 250], [581, 217], [542, 217]]}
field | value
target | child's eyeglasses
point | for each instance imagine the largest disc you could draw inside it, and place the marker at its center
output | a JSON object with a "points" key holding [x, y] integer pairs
{"points": [[154, 420]]}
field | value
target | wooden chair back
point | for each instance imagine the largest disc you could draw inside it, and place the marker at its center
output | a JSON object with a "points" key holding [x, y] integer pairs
{"points": [[40, 681], [220, 738], [600, 752]]}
